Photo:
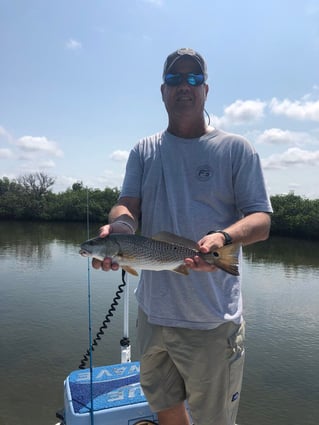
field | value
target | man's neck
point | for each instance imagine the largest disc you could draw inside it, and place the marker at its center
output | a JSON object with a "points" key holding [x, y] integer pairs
{"points": [[188, 129]]}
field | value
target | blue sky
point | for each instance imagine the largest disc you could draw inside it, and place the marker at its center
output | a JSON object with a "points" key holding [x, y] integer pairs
{"points": [[80, 83]]}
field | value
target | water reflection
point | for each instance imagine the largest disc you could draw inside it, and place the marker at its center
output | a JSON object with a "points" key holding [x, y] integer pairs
{"points": [[294, 253], [43, 292], [30, 242]]}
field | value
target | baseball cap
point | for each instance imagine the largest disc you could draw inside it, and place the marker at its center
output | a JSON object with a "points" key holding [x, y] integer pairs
{"points": [[178, 54]]}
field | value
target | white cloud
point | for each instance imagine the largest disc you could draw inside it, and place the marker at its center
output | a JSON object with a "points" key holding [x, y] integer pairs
{"points": [[5, 153], [72, 44], [291, 157], [276, 136], [249, 111], [46, 164], [294, 186], [241, 112], [30, 145], [298, 109], [245, 110], [63, 182], [108, 178], [119, 156]]}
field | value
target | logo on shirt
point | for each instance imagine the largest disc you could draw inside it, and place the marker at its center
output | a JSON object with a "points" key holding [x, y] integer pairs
{"points": [[204, 173]]}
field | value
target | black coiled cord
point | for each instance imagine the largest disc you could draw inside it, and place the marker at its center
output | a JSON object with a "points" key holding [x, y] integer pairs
{"points": [[105, 322]]}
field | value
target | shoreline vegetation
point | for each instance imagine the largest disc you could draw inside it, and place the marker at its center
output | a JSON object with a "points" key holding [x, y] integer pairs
{"points": [[30, 198]]}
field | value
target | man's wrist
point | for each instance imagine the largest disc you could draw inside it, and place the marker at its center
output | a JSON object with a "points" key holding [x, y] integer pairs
{"points": [[125, 223], [228, 240]]}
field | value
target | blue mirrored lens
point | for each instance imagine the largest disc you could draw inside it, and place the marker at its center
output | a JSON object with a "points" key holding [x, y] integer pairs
{"points": [[177, 79], [173, 79], [195, 79]]}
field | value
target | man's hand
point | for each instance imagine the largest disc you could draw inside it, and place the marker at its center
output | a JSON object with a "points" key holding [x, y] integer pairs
{"points": [[116, 227], [105, 265], [207, 244]]}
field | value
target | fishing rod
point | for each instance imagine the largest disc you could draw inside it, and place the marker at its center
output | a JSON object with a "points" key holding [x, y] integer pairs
{"points": [[125, 341], [123, 288], [89, 312]]}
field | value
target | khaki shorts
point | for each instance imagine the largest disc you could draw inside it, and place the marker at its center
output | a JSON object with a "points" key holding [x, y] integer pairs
{"points": [[203, 367]]}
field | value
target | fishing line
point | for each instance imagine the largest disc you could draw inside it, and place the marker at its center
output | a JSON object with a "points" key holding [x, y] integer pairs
{"points": [[89, 310]]}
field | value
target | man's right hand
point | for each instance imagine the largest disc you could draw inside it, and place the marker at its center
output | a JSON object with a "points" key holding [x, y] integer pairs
{"points": [[105, 265], [116, 227]]}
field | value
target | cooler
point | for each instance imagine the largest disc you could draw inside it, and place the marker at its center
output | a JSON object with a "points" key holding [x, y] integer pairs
{"points": [[118, 398]]}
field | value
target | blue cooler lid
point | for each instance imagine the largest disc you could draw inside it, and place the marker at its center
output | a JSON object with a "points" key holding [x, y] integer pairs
{"points": [[113, 386]]}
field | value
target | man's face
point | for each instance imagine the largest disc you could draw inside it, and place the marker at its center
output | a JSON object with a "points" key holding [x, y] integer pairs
{"points": [[184, 99]]}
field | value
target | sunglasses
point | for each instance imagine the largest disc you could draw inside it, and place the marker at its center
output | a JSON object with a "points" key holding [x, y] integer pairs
{"points": [[175, 80]]}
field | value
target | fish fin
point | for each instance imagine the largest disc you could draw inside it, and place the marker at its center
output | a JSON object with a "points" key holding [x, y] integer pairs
{"points": [[225, 258], [182, 269], [130, 270], [176, 240]]}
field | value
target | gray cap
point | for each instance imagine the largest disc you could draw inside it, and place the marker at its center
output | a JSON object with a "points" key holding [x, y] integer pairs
{"points": [[178, 54]]}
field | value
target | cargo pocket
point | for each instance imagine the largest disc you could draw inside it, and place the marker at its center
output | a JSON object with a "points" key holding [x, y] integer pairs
{"points": [[236, 367]]}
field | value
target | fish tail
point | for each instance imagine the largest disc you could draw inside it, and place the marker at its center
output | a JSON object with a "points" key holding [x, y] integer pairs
{"points": [[225, 258]]}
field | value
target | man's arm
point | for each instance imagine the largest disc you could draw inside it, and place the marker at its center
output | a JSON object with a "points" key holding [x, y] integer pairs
{"points": [[123, 218], [252, 228]]}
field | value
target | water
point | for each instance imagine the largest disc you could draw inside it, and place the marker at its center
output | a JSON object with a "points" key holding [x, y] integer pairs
{"points": [[44, 331]]}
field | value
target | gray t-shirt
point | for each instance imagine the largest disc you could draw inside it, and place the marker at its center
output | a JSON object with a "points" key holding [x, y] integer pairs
{"points": [[189, 187]]}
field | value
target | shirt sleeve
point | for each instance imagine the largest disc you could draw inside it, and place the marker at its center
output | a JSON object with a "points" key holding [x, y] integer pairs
{"points": [[133, 175], [249, 183]]}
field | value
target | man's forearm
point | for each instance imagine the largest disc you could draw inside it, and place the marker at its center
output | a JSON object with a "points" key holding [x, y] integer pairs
{"points": [[126, 211], [250, 229]]}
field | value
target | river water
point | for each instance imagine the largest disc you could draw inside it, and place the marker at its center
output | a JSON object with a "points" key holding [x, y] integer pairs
{"points": [[44, 324]]}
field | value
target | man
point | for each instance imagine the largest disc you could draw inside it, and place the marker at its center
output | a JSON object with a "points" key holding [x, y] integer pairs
{"points": [[206, 185]]}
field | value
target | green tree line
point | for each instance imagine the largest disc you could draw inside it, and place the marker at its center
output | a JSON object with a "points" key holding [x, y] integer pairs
{"points": [[30, 197], [295, 216]]}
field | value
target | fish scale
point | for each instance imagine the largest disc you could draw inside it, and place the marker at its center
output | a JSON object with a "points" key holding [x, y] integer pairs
{"points": [[141, 251]]}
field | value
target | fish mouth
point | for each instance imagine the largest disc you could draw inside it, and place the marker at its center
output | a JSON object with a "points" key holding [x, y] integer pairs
{"points": [[84, 253]]}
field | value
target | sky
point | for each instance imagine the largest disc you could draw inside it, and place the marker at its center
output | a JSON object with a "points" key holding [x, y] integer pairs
{"points": [[80, 83]]}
